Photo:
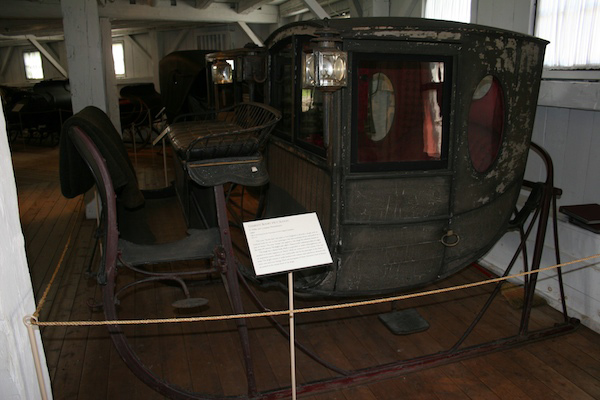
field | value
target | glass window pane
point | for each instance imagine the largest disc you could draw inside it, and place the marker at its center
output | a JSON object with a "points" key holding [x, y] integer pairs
{"points": [[450, 10], [573, 29], [118, 58], [486, 123], [399, 111], [33, 65]]}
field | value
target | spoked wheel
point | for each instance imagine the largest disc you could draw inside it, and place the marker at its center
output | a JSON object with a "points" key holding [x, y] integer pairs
{"points": [[13, 134], [136, 126], [138, 135]]}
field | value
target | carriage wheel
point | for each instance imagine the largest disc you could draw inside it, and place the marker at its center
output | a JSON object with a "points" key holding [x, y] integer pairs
{"points": [[142, 134]]}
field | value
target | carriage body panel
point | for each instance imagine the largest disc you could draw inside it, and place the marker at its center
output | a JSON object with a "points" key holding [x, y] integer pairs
{"points": [[418, 169]]}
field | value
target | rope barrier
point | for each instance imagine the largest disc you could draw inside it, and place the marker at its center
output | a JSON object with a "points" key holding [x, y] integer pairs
{"points": [[308, 309]]}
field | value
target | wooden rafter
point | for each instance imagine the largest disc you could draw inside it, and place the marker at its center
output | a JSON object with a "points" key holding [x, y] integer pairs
{"points": [[247, 6], [47, 53]]}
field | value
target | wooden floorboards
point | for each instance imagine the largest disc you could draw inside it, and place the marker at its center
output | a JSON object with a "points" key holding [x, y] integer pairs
{"points": [[206, 356]]}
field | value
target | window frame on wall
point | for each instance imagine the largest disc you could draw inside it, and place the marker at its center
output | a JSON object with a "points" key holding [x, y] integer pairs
{"points": [[122, 45], [30, 68], [572, 71], [439, 9]]}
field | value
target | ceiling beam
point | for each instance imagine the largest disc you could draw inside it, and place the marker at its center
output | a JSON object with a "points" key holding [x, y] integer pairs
{"points": [[42, 49], [20, 9], [355, 8], [247, 6], [294, 7], [178, 40], [21, 40], [183, 12], [316, 8], [251, 34], [134, 43], [202, 4]]}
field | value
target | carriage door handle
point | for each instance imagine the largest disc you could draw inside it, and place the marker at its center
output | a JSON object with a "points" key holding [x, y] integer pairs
{"points": [[450, 239]]}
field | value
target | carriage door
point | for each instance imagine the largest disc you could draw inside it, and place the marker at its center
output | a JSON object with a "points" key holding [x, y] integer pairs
{"points": [[397, 182]]}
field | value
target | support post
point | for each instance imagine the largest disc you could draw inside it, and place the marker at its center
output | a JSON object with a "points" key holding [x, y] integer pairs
{"points": [[89, 58], [36, 356]]}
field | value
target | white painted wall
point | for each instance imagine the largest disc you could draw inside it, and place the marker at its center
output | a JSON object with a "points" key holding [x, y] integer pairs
{"points": [[406, 8], [572, 138], [17, 370], [514, 15]]}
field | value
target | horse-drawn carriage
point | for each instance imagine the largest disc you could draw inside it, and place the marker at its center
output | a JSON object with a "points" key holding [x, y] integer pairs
{"points": [[36, 116], [408, 137]]}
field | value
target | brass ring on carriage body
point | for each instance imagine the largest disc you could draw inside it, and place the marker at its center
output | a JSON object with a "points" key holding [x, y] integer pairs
{"points": [[450, 243]]}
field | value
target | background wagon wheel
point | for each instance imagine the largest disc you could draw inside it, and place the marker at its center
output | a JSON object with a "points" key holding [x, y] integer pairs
{"points": [[141, 133], [13, 134]]}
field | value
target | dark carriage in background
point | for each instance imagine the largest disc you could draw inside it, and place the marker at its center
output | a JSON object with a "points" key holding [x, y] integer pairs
{"points": [[415, 164], [140, 109], [183, 83], [213, 100], [37, 115]]}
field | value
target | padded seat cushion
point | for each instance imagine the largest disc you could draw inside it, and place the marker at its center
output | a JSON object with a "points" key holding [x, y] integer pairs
{"points": [[203, 140]]}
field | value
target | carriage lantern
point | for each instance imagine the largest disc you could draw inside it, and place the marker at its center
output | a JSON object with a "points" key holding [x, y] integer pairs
{"points": [[251, 64], [325, 67], [222, 72]]}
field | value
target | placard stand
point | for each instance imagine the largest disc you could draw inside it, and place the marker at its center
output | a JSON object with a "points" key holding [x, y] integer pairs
{"points": [[292, 333], [286, 244]]}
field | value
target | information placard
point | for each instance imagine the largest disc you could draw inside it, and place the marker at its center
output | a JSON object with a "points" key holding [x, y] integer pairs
{"points": [[286, 244]]}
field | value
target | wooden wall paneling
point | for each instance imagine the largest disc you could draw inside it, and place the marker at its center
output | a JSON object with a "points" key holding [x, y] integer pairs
{"points": [[140, 59]]}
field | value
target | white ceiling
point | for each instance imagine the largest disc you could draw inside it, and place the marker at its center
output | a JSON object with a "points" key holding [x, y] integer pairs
{"points": [[43, 18]]}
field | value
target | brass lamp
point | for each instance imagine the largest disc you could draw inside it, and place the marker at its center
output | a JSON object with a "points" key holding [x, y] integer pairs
{"points": [[222, 72], [326, 66]]}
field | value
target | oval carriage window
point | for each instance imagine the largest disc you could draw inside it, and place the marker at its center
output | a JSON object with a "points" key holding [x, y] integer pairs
{"points": [[486, 123], [382, 106]]}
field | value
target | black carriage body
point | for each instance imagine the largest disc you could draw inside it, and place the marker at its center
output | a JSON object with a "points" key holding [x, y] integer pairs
{"points": [[183, 82], [427, 147]]}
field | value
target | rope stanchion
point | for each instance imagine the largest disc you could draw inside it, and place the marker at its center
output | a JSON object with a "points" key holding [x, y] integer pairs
{"points": [[310, 309], [29, 322]]}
